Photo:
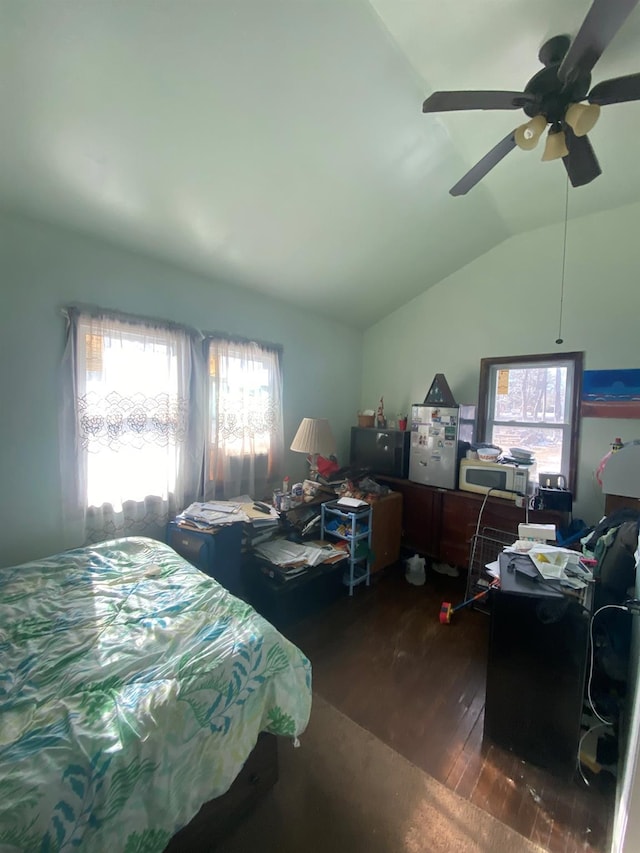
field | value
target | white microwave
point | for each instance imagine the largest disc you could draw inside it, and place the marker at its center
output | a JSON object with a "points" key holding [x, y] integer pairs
{"points": [[501, 479]]}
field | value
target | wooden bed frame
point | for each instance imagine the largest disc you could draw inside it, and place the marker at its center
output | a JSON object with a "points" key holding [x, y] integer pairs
{"points": [[218, 817]]}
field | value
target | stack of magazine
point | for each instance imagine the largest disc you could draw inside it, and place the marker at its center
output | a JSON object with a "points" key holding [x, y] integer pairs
{"points": [[285, 560]]}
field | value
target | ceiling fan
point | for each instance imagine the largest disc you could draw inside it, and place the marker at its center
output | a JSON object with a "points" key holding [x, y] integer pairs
{"points": [[553, 97]]}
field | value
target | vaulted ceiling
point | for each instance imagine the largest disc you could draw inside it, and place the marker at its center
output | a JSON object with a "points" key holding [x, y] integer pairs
{"points": [[281, 146]]}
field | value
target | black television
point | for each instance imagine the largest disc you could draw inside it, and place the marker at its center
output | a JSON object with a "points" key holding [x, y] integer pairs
{"points": [[380, 451]]}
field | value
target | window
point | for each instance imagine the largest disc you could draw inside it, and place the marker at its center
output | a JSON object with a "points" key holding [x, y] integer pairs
{"points": [[129, 426], [146, 429], [245, 432], [533, 402], [132, 415]]}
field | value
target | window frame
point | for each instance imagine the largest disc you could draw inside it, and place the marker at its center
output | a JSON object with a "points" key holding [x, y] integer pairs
{"points": [[486, 397]]}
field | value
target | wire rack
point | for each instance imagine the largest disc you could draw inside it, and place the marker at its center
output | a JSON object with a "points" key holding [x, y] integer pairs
{"points": [[485, 547]]}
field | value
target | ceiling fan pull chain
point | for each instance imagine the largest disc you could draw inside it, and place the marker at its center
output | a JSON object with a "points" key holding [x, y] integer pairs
{"points": [[559, 339]]}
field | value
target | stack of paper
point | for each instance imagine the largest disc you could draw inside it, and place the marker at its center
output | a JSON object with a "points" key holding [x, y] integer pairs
{"points": [[281, 552], [204, 516], [557, 564]]}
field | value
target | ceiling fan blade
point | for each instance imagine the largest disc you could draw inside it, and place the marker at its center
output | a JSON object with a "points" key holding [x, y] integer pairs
{"points": [[603, 20], [616, 91], [485, 165], [446, 101], [581, 162]]}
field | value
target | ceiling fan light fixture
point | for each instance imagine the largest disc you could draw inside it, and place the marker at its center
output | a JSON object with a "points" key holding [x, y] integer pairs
{"points": [[556, 146], [582, 117], [528, 134]]}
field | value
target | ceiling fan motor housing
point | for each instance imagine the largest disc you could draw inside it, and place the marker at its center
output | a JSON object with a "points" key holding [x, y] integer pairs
{"points": [[552, 96], [554, 50]]}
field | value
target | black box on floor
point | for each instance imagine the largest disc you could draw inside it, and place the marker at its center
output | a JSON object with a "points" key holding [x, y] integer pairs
{"points": [[283, 602]]}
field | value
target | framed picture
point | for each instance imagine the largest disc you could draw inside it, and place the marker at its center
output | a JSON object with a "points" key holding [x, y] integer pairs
{"points": [[610, 394]]}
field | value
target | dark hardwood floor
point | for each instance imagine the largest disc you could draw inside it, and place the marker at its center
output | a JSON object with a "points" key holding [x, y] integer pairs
{"points": [[383, 659]]}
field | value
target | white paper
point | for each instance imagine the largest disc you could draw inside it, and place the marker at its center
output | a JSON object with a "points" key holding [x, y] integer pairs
{"points": [[555, 563], [493, 569], [227, 506], [353, 503], [281, 552], [549, 561], [203, 514]]}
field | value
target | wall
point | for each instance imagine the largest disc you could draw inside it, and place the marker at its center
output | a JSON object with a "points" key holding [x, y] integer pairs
{"points": [[507, 303], [626, 825], [44, 268]]}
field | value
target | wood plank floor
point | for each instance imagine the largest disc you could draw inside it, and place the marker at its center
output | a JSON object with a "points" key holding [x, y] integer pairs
{"points": [[383, 659]]}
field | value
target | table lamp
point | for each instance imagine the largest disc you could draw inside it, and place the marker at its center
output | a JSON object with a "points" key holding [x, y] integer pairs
{"points": [[314, 437]]}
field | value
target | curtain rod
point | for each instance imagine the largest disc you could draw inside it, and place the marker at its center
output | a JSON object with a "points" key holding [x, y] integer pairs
{"points": [[97, 311], [240, 339], [123, 316]]}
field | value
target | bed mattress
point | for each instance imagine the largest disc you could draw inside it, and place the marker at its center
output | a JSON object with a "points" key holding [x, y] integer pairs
{"points": [[132, 689]]}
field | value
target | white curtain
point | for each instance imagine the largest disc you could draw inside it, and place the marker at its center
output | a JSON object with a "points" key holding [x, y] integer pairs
{"points": [[246, 438], [132, 423]]}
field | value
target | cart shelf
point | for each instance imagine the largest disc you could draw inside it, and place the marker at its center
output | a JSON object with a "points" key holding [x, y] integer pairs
{"points": [[358, 522]]}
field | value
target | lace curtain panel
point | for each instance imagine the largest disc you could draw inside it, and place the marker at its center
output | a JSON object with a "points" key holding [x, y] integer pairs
{"points": [[246, 436], [133, 423]]}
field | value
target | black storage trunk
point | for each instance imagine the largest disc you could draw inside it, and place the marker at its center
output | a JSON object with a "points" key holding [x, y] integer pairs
{"points": [[284, 602], [217, 554]]}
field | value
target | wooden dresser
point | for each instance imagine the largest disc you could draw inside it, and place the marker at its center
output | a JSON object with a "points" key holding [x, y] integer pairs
{"points": [[441, 522], [386, 530]]}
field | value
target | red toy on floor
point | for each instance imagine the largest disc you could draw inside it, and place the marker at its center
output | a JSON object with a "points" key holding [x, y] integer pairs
{"points": [[447, 611]]}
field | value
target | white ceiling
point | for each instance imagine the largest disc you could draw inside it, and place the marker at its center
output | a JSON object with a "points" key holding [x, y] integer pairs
{"points": [[280, 144]]}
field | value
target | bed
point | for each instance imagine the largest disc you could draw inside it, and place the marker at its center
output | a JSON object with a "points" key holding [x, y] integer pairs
{"points": [[133, 688]]}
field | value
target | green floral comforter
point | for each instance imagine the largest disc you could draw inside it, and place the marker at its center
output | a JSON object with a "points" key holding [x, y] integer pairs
{"points": [[132, 689]]}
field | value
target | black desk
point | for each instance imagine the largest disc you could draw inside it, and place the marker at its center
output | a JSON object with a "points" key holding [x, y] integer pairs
{"points": [[538, 653]]}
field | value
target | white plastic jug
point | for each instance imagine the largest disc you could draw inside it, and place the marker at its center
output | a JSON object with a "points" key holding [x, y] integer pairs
{"points": [[415, 573]]}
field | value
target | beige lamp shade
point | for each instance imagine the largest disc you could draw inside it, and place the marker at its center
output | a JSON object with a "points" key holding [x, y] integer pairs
{"points": [[314, 436], [582, 117], [527, 135], [555, 147]]}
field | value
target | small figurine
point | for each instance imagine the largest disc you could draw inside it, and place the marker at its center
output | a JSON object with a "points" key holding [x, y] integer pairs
{"points": [[381, 421]]}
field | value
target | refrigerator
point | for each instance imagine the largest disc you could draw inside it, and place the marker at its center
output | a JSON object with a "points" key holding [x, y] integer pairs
{"points": [[433, 456]]}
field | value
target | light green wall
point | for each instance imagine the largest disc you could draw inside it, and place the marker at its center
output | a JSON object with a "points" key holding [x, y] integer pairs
{"points": [[507, 303], [44, 268], [504, 303]]}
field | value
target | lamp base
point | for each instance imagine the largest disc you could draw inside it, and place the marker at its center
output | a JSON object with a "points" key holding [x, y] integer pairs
{"points": [[312, 459]]}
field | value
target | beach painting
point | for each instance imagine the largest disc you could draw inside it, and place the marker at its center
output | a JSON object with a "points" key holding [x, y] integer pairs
{"points": [[610, 394]]}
